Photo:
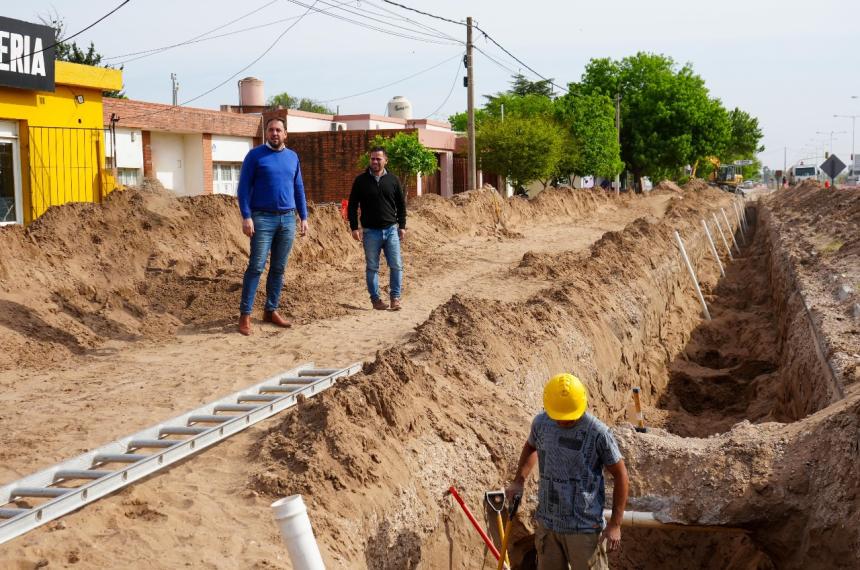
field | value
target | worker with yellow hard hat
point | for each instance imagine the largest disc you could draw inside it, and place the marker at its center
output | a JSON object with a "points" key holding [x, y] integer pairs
{"points": [[571, 448]]}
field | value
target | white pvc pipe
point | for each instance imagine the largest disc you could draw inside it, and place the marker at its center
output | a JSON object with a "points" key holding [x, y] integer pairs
{"points": [[292, 518], [693, 275], [713, 248], [643, 519], [740, 222], [722, 235], [731, 232]]}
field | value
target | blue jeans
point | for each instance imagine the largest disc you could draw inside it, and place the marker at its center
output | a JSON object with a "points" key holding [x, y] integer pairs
{"points": [[388, 241], [275, 233]]}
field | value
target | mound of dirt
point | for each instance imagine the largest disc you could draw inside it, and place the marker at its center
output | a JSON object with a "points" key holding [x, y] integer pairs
{"points": [[668, 186], [696, 185]]}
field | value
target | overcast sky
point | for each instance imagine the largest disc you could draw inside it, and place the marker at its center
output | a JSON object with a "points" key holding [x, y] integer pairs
{"points": [[791, 64]]}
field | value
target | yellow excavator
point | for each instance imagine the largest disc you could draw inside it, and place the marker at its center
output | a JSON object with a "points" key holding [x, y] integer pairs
{"points": [[726, 176]]}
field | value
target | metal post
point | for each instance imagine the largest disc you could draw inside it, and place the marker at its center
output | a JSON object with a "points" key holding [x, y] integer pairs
{"points": [[175, 89], [713, 248], [693, 275], [470, 107], [731, 231], [722, 236]]}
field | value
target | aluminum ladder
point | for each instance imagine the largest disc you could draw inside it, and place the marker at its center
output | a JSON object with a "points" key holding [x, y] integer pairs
{"points": [[72, 484]]}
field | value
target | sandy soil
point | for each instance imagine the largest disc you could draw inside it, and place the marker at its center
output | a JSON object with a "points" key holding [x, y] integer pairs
{"points": [[119, 316]]}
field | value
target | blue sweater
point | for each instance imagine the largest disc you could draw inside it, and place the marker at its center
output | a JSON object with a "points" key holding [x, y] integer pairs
{"points": [[271, 180]]}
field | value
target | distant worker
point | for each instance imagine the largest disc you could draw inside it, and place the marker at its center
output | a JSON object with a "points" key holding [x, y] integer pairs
{"points": [[572, 447], [271, 193], [379, 196], [784, 182]]}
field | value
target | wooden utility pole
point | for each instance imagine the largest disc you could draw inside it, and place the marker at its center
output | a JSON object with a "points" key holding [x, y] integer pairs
{"points": [[618, 136], [470, 107]]}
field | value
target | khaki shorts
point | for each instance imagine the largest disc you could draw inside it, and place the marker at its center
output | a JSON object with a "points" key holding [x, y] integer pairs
{"points": [[581, 551]]}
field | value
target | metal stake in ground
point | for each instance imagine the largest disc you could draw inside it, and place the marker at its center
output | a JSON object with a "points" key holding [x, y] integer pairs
{"points": [[722, 235], [731, 232], [693, 275], [713, 251]]}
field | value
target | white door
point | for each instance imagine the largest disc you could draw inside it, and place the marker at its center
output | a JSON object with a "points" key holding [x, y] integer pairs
{"points": [[225, 176], [11, 200]]}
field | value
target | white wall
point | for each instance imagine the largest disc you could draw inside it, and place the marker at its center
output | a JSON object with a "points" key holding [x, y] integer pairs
{"points": [[168, 160], [307, 124], [193, 147], [371, 124], [129, 148], [230, 149]]}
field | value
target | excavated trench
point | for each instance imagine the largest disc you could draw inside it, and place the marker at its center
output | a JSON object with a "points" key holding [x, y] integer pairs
{"points": [[754, 361]]}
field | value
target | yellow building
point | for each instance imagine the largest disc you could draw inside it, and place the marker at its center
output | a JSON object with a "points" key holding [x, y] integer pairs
{"points": [[52, 147]]}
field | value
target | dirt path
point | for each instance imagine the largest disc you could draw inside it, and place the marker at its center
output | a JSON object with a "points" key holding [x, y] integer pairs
{"points": [[123, 387]]}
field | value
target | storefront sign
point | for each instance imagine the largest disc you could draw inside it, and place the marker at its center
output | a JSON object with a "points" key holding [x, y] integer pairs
{"points": [[26, 55]]}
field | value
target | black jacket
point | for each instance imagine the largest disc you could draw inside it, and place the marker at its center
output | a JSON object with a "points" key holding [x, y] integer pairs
{"points": [[382, 203]]}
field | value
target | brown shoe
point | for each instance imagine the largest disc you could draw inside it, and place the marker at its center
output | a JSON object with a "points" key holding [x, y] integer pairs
{"points": [[395, 304], [245, 324], [379, 304], [276, 319]]}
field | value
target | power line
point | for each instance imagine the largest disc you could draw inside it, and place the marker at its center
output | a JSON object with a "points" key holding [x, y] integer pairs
{"points": [[200, 38], [258, 58], [424, 13], [375, 28], [518, 60], [456, 76], [486, 35], [197, 37], [405, 19], [365, 16], [55, 44], [443, 62]]}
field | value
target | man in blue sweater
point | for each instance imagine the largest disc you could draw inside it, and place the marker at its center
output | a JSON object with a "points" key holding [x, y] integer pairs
{"points": [[271, 194]]}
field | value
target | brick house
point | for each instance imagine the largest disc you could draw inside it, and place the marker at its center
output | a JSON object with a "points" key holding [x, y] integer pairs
{"points": [[200, 151]]}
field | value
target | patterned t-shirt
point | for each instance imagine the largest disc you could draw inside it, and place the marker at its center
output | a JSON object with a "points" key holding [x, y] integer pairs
{"points": [[571, 460]]}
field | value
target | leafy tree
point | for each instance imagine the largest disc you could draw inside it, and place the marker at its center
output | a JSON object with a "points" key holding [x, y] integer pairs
{"points": [[71, 52], [592, 147], [668, 118], [521, 149], [745, 135], [287, 101], [522, 86], [407, 157]]}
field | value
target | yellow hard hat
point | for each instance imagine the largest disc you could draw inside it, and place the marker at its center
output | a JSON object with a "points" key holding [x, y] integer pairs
{"points": [[565, 397]]}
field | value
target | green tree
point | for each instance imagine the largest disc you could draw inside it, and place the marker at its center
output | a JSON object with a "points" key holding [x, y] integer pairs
{"points": [[592, 146], [71, 52], [668, 119], [407, 157], [745, 135], [522, 86], [520, 149], [287, 101]]}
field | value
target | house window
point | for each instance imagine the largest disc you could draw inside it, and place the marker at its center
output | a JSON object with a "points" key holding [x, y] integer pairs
{"points": [[225, 177], [128, 176]]}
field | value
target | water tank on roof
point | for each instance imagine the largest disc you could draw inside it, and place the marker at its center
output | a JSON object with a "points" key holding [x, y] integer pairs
{"points": [[400, 107], [251, 92]]}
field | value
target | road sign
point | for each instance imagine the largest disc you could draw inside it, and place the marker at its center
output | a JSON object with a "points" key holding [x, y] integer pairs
{"points": [[832, 166], [743, 162]]}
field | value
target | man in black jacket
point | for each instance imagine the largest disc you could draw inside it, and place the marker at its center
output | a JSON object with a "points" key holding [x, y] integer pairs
{"points": [[378, 194]]}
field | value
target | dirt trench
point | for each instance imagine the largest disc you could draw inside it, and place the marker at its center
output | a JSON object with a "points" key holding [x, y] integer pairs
{"points": [[622, 316]]}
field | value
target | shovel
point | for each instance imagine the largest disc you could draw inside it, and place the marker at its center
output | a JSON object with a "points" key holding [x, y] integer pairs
{"points": [[512, 512], [496, 500]]}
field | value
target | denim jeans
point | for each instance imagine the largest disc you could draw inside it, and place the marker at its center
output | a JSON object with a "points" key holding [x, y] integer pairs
{"points": [[275, 233], [386, 240]]}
